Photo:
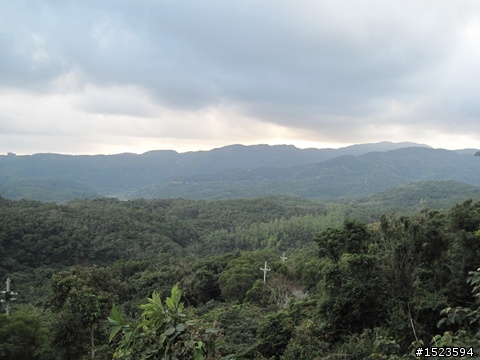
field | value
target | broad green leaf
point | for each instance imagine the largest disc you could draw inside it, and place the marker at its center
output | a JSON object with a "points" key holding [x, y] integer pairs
{"points": [[114, 332], [170, 303], [176, 295], [115, 316], [441, 322], [197, 354], [445, 311], [180, 308], [170, 331]]}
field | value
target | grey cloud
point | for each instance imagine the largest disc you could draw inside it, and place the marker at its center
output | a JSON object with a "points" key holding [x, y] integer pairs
{"points": [[320, 65]]}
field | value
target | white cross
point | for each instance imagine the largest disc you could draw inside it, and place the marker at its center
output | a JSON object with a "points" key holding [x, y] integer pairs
{"points": [[265, 272]]}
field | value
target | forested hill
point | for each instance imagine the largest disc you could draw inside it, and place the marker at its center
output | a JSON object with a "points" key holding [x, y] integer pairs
{"points": [[234, 171], [336, 288]]}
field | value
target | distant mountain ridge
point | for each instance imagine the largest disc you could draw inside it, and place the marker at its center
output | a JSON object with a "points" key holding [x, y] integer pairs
{"points": [[234, 171]]}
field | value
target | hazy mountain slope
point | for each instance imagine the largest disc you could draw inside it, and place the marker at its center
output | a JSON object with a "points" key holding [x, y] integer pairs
{"points": [[116, 174], [108, 174], [344, 176], [234, 171]]}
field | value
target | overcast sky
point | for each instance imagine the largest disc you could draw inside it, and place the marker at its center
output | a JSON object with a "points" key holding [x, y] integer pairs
{"points": [[86, 77]]}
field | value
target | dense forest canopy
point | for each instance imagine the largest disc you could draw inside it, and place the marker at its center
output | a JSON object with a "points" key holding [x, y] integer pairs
{"points": [[345, 280]]}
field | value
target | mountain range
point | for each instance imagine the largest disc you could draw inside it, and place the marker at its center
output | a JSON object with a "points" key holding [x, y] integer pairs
{"points": [[235, 171]]}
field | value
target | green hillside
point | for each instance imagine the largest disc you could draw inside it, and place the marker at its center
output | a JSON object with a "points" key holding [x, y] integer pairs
{"points": [[344, 177], [405, 199], [45, 189], [233, 171], [143, 278]]}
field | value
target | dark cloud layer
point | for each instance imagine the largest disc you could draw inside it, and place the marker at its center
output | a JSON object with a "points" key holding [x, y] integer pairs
{"points": [[331, 70]]}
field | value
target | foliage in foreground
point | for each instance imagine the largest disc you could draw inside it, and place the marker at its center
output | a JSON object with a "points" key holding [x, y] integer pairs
{"points": [[164, 332]]}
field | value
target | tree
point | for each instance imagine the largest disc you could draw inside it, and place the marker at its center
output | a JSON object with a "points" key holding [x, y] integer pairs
{"points": [[353, 238], [238, 278], [355, 294], [81, 299], [23, 337], [239, 324], [275, 333], [467, 319], [354, 286], [281, 290]]}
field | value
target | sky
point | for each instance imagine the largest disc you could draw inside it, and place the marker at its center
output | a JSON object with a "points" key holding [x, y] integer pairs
{"points": [[113, 76]]}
